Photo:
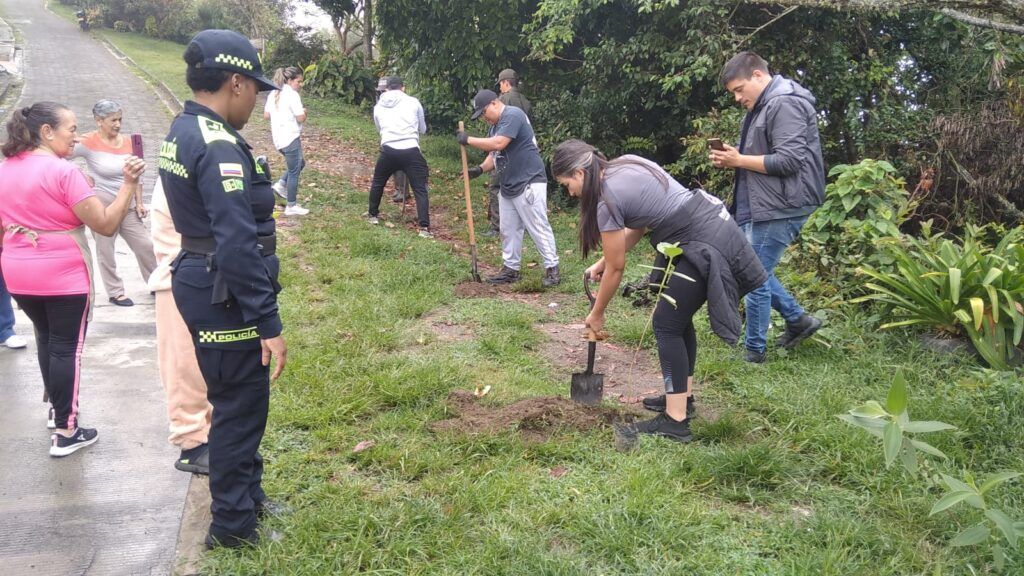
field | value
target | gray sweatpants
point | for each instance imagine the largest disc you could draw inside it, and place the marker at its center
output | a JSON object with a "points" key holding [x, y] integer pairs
{"points": [[136, 235], [529, 212]]}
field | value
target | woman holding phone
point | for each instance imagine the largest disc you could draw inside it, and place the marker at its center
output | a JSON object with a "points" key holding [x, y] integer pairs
{"points": [[105, 151]]}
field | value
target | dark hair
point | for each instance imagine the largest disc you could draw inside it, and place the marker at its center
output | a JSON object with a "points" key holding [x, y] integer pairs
{"points": [[742, 66], [513, 82], [25, 123], [201, 79], [573, 155]]}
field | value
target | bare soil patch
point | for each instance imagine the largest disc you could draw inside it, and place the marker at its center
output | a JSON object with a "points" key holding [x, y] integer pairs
{"points": [[536, 419]]}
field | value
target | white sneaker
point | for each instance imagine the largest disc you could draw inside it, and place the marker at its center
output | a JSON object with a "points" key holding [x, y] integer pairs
{"points": [[425, 233], [51, 419], [280, 190], [295, 210], [15, 341]]}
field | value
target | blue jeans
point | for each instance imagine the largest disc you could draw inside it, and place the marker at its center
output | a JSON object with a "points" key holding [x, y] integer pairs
{"points": [[6, 312], [770, 240], [295, 163]]}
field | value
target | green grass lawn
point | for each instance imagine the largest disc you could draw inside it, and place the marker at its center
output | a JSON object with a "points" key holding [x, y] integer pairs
{"points": [[775, 485]]}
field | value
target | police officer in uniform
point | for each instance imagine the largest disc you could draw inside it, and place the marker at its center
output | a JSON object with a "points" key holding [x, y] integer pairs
{"points": [[225, 279]]}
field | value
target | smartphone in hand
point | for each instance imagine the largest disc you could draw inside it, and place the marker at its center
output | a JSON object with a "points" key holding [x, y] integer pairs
{"points": [[137, 145], [716, 144]]}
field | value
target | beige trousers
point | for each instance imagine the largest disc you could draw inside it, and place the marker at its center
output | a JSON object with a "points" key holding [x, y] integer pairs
{"points": [[188, 409], [136, 235]]}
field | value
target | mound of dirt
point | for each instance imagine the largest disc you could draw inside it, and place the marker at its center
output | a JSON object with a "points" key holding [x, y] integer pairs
{"points": [[535, 418]]}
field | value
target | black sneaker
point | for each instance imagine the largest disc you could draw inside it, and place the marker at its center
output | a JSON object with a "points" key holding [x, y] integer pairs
{"points": [[231, 541], [551, 277], [664, 425], [195, 460], [798, 331], [62, 446], [490, 233], [506, 276], [657, 404], [755, 357]]}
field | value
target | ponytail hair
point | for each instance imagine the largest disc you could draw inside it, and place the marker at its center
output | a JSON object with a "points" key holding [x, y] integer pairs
{"points": [[283, 75], [573, 155], [23, 129]]}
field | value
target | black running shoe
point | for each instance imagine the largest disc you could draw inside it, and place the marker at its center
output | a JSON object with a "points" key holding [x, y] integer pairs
{"points": [[664, 425], [62, 445], [231, 541], [657, 404], [195, 460], [798, 331]]}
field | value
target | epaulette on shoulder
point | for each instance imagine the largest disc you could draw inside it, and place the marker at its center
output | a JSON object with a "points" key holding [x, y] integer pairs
{"points": [[214, 131]]}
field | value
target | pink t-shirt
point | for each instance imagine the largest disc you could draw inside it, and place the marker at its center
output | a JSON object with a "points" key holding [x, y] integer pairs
{"points": [[37, 191]]}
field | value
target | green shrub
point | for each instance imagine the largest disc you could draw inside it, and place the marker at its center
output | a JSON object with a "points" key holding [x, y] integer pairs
{"points": [[957, 288], [865, 203], [694, 168], [343, 77]]}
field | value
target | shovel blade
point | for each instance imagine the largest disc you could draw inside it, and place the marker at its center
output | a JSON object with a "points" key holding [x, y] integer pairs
{"points": [[587, 388]]}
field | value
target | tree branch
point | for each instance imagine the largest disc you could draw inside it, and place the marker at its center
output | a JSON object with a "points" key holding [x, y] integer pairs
{"points": [[983, 22]]}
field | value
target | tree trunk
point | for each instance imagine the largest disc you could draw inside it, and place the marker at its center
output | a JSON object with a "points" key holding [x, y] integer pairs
{"points": [[367, 32]]}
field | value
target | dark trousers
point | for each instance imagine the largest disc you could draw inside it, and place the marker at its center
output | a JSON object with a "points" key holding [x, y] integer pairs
{"points": [[673, 326], [410, 161], [60, 324], [493, 210], [238, 387]]}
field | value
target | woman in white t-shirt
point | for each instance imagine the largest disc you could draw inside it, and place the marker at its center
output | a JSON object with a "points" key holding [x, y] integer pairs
{"points": [[286, 114]]}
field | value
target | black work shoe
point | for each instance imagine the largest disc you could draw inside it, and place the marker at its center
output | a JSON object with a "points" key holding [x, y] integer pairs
{"points": [[231, 541], [657, 404], [195, 460], [551, 277], [755, 357], [490, 233], [797, 332], [506, 276], [664, 425], [62, 446]]}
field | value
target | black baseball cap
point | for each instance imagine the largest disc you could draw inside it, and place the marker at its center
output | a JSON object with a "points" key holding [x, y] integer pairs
{"points": [[481, 100], [394, 83], [229, 50]]}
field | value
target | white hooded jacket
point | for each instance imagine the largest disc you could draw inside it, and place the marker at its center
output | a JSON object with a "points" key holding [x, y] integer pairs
{"points": [[399, 119]]}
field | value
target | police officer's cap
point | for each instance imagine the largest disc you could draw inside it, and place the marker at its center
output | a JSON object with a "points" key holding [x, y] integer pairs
{"points": [[229, 50]]}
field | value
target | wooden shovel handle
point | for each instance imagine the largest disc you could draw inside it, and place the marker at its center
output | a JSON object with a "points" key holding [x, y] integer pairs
{"points": [[465, 181]]}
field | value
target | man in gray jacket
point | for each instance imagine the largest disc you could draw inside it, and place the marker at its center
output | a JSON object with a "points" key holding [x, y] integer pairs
{"points": [[780, 181], [399, 119]]}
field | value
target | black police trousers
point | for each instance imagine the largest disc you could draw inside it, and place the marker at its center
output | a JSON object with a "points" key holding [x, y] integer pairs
{"points": [[238, 387]]}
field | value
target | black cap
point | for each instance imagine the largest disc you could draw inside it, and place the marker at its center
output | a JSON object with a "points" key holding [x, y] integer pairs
{"points": [[229, 50], [394, 83], [481, 100]]}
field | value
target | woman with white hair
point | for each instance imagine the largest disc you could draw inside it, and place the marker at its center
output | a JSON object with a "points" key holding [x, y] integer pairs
{"points": [[105, 151]]}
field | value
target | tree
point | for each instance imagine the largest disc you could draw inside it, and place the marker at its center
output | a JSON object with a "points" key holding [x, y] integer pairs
{"points": [[349, 17], [1002, 15]]}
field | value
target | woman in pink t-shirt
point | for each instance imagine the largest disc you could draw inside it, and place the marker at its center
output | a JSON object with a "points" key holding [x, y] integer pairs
{"points": [[45, 204]]}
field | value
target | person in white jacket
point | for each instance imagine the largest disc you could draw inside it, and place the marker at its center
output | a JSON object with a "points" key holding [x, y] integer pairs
{"points": [[399, 119]]}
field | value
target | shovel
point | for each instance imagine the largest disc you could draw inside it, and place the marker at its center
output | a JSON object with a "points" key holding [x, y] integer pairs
{"points": [[588, 388], [469, 210]]}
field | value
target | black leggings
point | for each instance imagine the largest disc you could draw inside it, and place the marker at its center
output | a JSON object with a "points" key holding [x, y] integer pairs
{"points": [[673, 326], [60, 323]]}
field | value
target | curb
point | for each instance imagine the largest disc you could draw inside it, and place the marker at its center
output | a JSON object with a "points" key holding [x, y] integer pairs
{"points": [[161, 89]]}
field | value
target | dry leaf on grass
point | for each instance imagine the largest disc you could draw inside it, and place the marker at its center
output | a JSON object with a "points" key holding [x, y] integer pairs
{"points": [[558, 471], [364, 445]]}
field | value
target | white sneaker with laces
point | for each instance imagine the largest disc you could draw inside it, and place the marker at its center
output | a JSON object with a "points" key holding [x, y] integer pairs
{"points": [[16, 341], [425, 233], [280, 190], [295, 210]]}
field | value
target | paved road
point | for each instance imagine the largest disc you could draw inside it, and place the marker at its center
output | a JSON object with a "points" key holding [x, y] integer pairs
{"points": [[115, 507]]}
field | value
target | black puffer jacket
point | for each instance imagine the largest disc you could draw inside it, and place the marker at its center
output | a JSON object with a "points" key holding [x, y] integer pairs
{"points": [[716, 247], [783, 127]]}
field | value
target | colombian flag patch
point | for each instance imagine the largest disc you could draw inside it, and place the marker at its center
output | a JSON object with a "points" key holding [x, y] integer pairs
{"points": [[228, 169]]}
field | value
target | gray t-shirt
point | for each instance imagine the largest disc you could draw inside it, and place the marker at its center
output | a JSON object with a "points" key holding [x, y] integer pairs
{"points": [[632, 197], [519, 164]]}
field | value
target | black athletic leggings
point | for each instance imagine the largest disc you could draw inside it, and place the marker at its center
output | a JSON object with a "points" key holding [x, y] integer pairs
{"points": [[673, 326], [60, 324]]}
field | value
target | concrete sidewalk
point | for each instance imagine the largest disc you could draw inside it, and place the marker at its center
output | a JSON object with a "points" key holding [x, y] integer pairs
{"points": [[115, 507]]}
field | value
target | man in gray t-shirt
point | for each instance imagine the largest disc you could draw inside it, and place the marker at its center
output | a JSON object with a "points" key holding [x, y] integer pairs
{"points": [[513, 154]]}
